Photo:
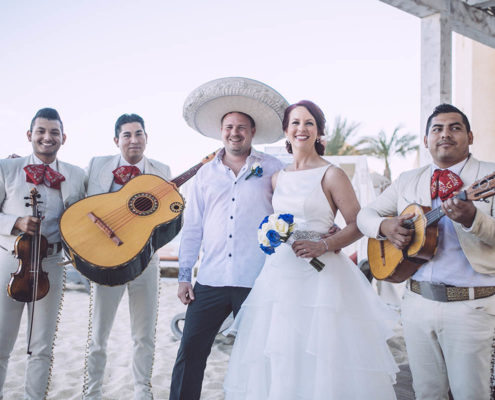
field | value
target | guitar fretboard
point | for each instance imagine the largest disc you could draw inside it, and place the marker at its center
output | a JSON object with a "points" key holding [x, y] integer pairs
{"points": [[437, 213], [184, 177]]}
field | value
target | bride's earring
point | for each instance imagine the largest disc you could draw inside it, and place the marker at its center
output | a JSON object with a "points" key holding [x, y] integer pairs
{"points": [[318, 140], [288, 143]]}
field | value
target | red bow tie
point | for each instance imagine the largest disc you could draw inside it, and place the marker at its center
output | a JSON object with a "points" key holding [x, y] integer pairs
{"points": [[41, 173], [444, 183], [125, 173]]}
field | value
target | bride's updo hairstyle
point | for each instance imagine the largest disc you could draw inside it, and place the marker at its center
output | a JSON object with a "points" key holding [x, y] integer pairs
{"points": [[317, 114]]}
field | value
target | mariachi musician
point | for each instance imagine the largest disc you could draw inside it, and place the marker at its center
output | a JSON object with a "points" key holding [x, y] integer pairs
{"points": [[109, 174], [448, 310], [59, 185]]}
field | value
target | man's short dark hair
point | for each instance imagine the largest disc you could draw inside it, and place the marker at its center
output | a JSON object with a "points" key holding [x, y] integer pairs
{"points": [[251, 120], [126, 119], [47, 113], [447, 108]]}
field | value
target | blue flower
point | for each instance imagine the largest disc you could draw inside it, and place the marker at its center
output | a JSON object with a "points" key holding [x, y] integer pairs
{"points": [[256, 170], [267, 250], [264, 221], [289, 218], [273, 237]]}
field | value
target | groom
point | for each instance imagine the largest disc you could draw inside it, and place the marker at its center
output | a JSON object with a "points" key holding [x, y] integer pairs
{"points": [[224, 208]]}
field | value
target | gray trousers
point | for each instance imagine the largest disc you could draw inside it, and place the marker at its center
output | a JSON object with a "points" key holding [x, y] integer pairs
{"points": [[143, 309], [39, 363]]}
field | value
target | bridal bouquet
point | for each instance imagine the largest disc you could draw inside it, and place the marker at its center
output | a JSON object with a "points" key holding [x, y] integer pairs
{"points": [[276, 229]]}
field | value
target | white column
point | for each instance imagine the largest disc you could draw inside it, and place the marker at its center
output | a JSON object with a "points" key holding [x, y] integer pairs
{"points": [[436, 70], [474, 88]]}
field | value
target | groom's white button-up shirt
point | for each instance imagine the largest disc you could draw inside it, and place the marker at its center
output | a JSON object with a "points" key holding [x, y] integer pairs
{"points": [[221, 217]]}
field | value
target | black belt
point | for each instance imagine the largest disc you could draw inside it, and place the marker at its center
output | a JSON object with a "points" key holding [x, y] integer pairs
{"points": [[54, 248], [440, 292]]}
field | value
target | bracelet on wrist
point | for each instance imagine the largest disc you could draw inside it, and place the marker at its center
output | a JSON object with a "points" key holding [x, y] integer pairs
{"points": [[325, 243]]}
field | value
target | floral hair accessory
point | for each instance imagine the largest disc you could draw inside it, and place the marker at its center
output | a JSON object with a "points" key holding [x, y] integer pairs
{"points": [[276, 229], [255, 170]]}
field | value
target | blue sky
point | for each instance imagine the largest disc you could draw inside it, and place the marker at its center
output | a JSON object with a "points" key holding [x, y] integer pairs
{"points": [[94, 61]]}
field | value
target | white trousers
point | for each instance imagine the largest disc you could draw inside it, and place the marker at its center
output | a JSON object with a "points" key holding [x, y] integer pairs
{"points": [[143, 309], [46, 310], [449, 345]]}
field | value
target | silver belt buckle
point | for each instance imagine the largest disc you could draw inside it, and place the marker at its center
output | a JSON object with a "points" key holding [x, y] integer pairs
{"points": [[433, 291]]}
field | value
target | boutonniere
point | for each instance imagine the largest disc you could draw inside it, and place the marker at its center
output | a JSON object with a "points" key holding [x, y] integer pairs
{"points": [[255, 170]]}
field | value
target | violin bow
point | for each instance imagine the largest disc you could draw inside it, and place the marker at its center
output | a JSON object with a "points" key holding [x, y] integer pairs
{"points": [[35, 260]]}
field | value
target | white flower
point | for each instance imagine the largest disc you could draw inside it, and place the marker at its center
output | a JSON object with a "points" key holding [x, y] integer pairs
{"points": [[265, 242], [282, 227], [262, 235], [272, 220]]}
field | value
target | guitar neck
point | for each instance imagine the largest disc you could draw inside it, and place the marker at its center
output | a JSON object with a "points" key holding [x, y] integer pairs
{"points": [[184, 177], [436, 214]]}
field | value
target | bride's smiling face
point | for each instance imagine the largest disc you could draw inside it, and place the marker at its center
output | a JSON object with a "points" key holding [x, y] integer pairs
{"points": [[302, 130]]}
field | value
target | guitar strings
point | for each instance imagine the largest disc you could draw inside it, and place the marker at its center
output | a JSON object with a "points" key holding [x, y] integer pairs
{"points": [[163, 190], [118, 217], [420, 225], [434, 215], [159, 192], [116, 214], [121, 213]]}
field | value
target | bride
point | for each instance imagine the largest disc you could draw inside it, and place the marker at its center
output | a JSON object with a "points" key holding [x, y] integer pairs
{"points": [[304, 334]]}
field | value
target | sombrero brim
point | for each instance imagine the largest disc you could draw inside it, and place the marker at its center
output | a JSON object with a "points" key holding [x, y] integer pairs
{"points": [[206, 105]]}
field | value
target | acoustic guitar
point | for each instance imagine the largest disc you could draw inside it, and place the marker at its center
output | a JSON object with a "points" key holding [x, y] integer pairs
{"points": [[110, 238], [390, 264]]}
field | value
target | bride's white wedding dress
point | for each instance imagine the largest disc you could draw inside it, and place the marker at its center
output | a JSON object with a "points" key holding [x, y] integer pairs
{"points": [[303, 334]]}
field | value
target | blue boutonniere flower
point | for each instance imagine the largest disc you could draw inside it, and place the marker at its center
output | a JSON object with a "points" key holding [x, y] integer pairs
{"points": [[256, 170]]}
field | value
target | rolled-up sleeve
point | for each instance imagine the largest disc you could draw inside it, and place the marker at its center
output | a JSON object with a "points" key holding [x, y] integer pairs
{"points": [[192, 231]]}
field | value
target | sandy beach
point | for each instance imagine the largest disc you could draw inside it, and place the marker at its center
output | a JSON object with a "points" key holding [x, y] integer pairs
{"points": [[68, 366]]}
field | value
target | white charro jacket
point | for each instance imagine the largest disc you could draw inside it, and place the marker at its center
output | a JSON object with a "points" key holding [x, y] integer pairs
{"points": [[13, 189], [413, 186]]}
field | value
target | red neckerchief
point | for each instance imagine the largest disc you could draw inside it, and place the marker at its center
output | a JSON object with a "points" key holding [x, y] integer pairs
{"points": [[41, 173], [125, 173], [444, 183]]}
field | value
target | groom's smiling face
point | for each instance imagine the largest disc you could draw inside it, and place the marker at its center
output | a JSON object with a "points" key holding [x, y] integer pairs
{"points": [[237, 133]]}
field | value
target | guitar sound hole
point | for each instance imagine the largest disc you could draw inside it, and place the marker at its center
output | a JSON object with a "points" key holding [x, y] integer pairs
{"points": [[176, 207], [143, 204]]}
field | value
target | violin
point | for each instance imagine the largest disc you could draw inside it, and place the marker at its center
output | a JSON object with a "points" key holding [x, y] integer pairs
{"points": [[30, 283]]}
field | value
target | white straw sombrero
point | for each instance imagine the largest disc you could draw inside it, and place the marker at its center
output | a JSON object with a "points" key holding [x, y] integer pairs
{"points": [[207, 104]]}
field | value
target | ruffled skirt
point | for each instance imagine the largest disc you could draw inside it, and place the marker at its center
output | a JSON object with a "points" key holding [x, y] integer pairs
{"points": [[303, 334]]}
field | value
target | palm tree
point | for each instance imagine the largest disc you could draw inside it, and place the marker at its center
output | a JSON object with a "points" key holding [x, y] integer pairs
{"points": [[381, 147], [336, 144]]}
